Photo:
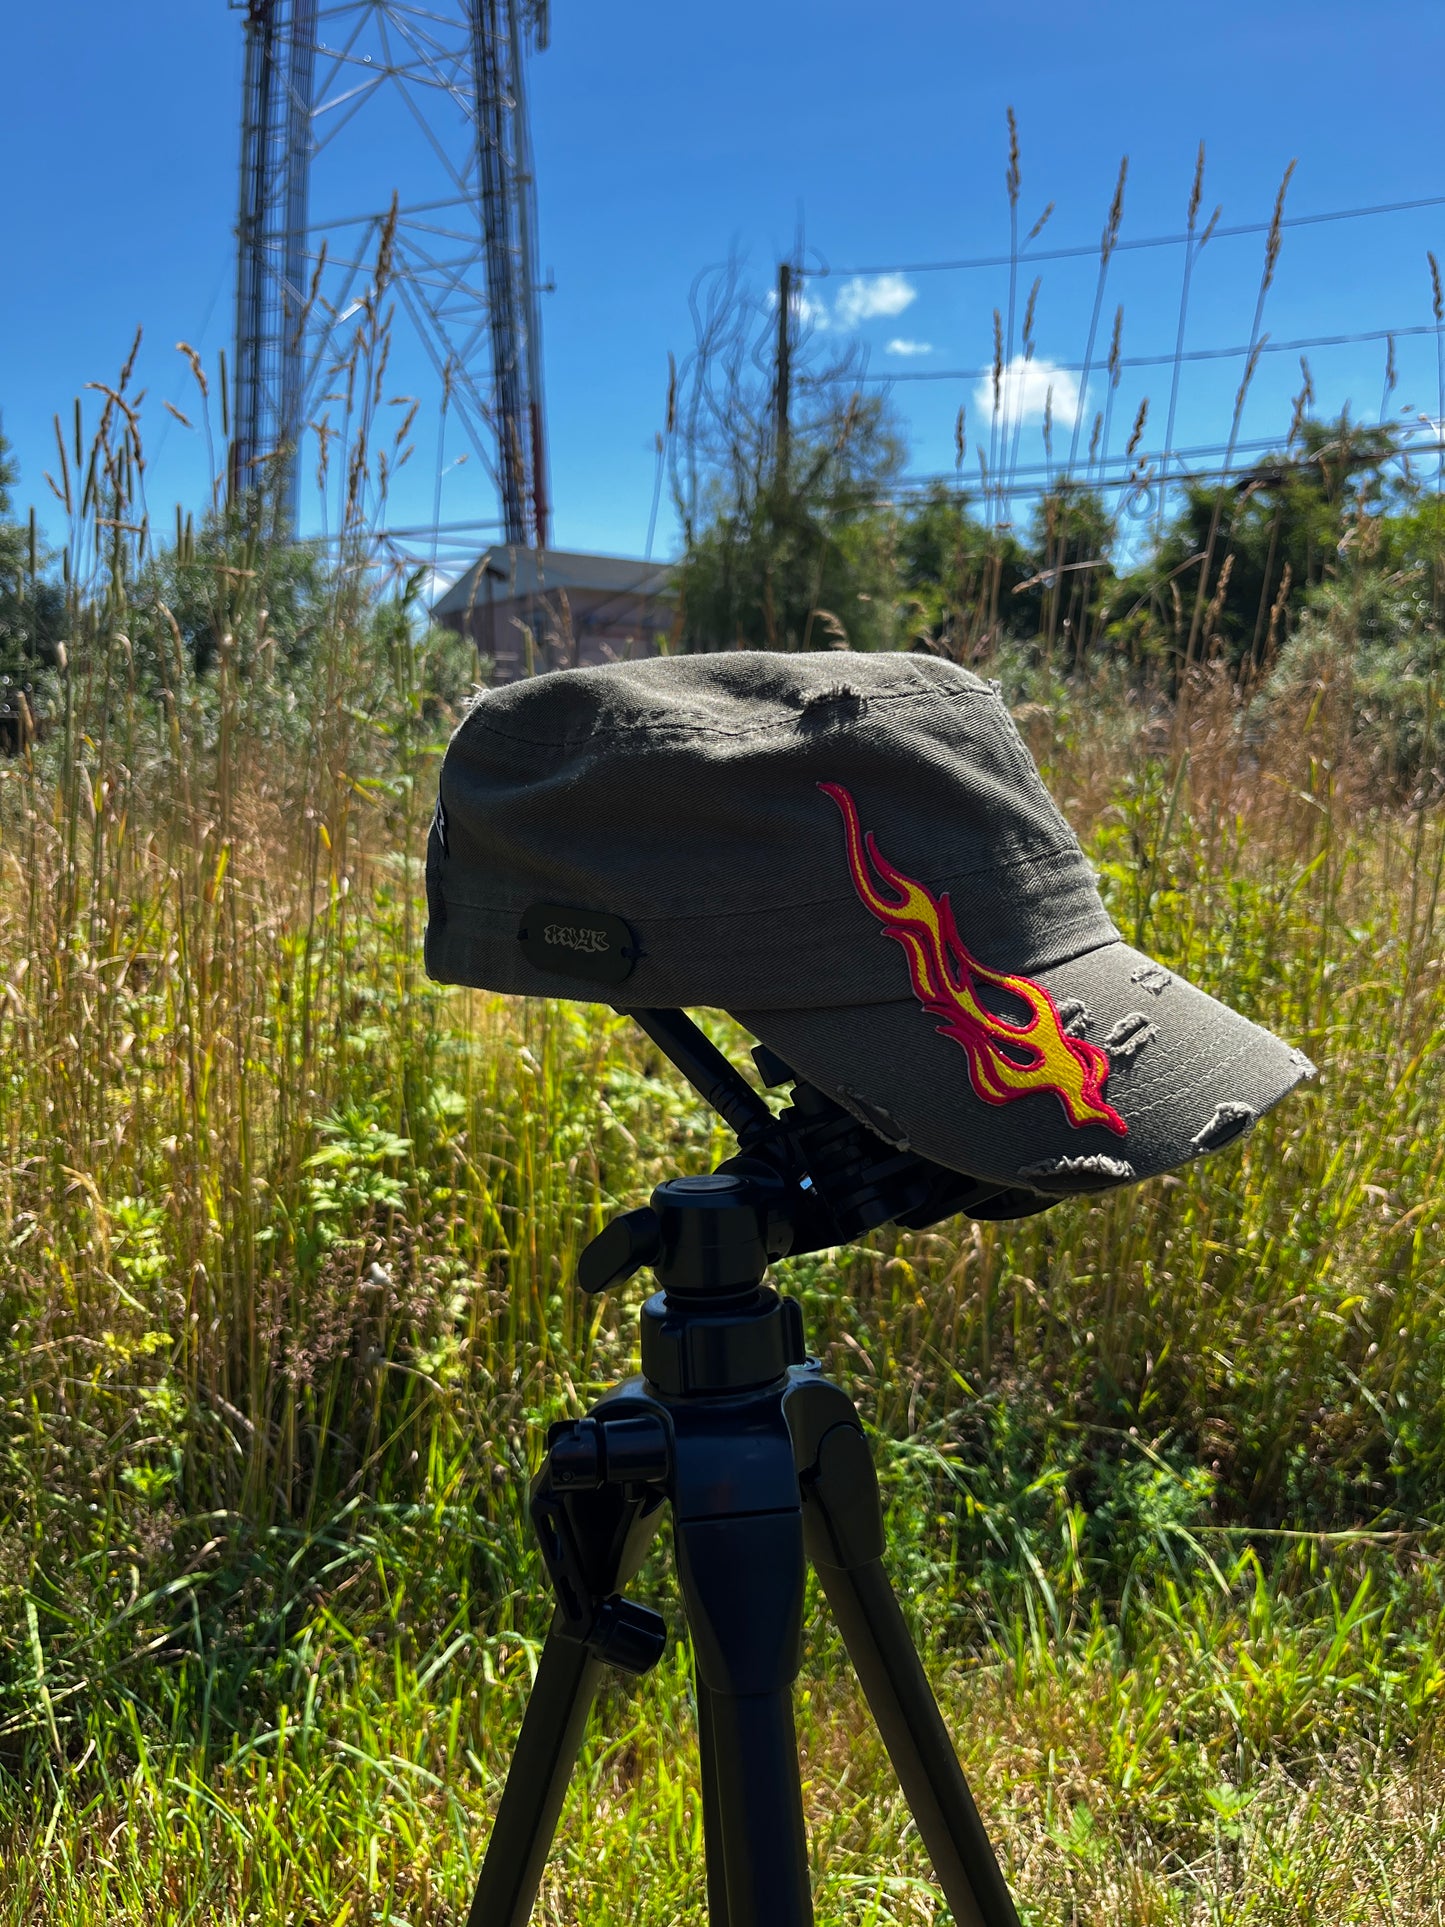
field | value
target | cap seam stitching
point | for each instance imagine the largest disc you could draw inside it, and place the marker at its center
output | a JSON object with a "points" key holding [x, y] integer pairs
{"points": [[651, 725]]}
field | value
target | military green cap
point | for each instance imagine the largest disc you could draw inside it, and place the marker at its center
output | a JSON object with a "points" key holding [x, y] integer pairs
{"points": [[856, 857]]}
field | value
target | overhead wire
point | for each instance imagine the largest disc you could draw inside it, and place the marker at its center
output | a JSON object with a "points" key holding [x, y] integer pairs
{"points": [[1147, 470], [1148, 473], [1266, 347], [1089, 250]]}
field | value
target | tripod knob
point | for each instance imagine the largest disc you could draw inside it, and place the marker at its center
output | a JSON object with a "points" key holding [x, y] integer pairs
{"points": [[627, 1635], [620, 1248], [714, 1234]]}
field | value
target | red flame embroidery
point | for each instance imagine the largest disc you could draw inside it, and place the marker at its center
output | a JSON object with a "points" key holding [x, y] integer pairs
{"points": [[1005, 1059]]}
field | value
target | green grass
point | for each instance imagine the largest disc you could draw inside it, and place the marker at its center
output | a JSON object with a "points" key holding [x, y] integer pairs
{"points": [[286, 1237], [1230, 1767]]}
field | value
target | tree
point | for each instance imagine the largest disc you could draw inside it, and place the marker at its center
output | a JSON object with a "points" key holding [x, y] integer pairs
{"points": [[233, 577], [960, 583], [32, 607], [1238, 562], [788, 538], [1073, 537]]}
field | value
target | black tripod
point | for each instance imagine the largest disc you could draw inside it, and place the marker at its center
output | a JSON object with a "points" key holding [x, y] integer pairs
{"points": [[764, 1463]]}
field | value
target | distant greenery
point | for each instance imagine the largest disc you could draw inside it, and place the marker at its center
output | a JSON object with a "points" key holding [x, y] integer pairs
{"points": [[32, 606], [288, 1238], [812, 545], [286, 1258], [785, 545], [1328, 508], [231, 585]]}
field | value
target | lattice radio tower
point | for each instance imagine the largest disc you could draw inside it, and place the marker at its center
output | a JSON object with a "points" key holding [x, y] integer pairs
{"points": [[347, 96]]}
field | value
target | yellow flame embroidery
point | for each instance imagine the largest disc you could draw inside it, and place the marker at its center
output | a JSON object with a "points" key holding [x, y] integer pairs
{"points": [[1005, 1059]]}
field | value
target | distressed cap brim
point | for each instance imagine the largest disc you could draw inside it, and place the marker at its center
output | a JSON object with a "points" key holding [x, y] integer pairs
{"points": [[1187, 1075]]}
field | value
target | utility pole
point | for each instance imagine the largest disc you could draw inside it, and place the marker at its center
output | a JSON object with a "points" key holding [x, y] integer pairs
{"points": [[783, 381]]}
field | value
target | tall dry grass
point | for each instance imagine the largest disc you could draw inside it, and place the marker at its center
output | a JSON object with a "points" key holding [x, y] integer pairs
{"points": [[287, 1237], [286, 1240]]}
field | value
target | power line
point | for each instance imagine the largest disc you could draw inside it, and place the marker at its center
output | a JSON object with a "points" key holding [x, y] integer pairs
{"points": [[1121, 247], [1204, 463], [1264, 347]]}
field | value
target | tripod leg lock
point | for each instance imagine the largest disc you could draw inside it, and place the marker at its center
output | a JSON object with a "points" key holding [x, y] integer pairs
{"points": [[583, 1454], [842, 1511], [601, 1481], [626, 1635]]}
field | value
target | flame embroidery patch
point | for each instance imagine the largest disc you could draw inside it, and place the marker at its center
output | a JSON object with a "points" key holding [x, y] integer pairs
{"points": [[1006, 1060]]}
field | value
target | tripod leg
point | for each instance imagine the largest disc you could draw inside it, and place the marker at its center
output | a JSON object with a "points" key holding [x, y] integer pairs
{"points": [[717, 1886], [547, 1748], [742, 1581], [843, 1525], [902, 1703], [592, 1540]]}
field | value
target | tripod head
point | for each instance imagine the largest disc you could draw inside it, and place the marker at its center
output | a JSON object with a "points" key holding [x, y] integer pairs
{"points": [[808, 1178]]}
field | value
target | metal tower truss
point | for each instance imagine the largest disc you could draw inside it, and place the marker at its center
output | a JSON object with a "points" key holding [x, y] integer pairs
{"points": [[358, 113]]}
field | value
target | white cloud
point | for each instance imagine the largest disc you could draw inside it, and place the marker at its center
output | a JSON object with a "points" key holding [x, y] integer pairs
{"points": [[811, 313], [805, 310], [866, 296], [862, 297], [902, 346], [1025, 391]]}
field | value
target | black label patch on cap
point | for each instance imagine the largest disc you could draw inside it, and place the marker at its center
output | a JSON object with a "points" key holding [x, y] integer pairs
{"points": [[577, 943]]}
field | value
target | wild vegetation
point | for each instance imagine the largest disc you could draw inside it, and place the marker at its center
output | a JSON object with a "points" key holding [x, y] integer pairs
{"points": [[802, 529], [287, 1236]]}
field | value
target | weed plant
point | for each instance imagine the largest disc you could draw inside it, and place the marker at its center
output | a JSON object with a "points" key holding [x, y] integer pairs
{"points": [[287, 1236], [286, 1245]]}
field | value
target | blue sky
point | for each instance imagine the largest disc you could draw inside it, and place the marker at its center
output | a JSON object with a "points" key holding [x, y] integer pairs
{"points": [[667, 136]]}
